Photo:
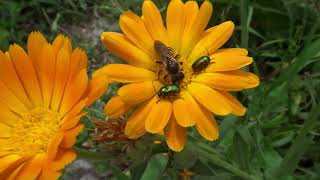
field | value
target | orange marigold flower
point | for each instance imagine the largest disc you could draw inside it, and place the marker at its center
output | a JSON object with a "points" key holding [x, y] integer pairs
{"points": [[200, 93], [42, 93]]}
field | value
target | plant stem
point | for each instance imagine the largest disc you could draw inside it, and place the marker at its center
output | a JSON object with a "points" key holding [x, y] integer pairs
{"points": [[244, 10], [93, 155], [209, 154]]}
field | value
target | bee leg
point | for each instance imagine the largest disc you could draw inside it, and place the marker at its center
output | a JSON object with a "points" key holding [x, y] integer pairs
{"points": [[159, 62]]}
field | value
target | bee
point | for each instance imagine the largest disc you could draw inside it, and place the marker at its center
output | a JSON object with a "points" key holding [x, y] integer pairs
{"points": [[169, 91], [167, 59], [201, 63]]}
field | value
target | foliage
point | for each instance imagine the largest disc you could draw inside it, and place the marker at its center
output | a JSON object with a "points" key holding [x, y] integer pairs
{"points": [[279, 137]]}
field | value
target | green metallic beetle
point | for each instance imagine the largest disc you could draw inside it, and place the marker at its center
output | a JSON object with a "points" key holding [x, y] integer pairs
{"points": [[201, 64], [169, 91]]}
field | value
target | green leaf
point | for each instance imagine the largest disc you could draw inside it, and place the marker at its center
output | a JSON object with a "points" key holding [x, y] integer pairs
{"points": [[155, 167]]}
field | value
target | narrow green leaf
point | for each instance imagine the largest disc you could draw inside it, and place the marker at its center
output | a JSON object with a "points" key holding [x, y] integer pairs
{"points": [[155, 167]]}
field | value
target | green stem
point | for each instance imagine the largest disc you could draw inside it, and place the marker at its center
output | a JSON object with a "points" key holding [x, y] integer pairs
{"points": [[244, 10], [93, 155], [206, 152]]}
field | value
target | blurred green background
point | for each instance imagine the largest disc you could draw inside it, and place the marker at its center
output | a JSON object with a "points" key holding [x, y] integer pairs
{"points": [[279, 138]]}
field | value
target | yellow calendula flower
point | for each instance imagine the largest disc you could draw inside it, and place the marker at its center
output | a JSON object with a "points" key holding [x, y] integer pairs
{"points": [[42, 93], [201, 92]]}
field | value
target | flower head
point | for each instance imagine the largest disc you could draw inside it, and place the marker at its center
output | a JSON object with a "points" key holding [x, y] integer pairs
{"points": [[42, 93], [204, 88]]}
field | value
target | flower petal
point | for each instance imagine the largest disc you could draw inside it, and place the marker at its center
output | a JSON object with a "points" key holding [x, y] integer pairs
{"points": [[209, 98], [135, 93], [231, 52], [26, 72], [35, 43], [5, 131], [115, 42], [64, 157], [116, 107], [61, 77], [31, 169], [196, 26], [7, 116], [96, 88], [212, 41], [159, 116], [207, 126], [176, 135], [175, 23], [54, 146], [228, 81], [182, 109], [70, 136], [125, 73], [134, 28], [135, 126], [227, 62], [237, 108], [153, 21], [10, 78], [72, 122], [46, 73], [62, 42]]}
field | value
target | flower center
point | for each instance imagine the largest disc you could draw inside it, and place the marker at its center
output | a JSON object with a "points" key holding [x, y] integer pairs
{"points": [[34, 130]]}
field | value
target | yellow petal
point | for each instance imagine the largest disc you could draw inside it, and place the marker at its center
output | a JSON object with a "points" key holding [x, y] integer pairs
{"points": [[159, 116], [11, 165], [212, 41], [228, 81], [35, 43], [53, 145], [227, 62], [153, 21], [194, 29], [135, 93], [125, 73], [115, 42], [209, 98], [73, 92], [175, 23], [231, 52], [135, 126], [31, 169], [47, 73], [5, 130], [134, 28], [70, 136], [26, 73], [237, 108], [62, 42], [61, 77], [10, 78], [182, 110], [176, 135], [116, 107], [7, 116], [7, 160], [207, 126]]}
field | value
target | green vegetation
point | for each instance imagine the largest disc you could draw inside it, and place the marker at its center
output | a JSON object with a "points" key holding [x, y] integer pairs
{"points": [[279, 138]]}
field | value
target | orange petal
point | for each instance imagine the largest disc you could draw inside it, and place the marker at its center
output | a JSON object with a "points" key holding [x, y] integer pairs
{"points": [[135, 126], [231, 52], [61, 77], [115, 42], [134, 28], [74, 111], [207, 126], [49, 174], [11, 163], [116, 107], [78, 62], [62, 42], [227, 62], [193, 32], [237, 108], [35, 43], [209, 98], [176, 135], [96, 88], [74, 91], [153, 21], [47, 73], [125, 73], [229, 81], [64, 157], [72, 122], [212, 41], [158, 116], [7, 116], [175, 23], [70, 137], [5, 130], [26, 72], [135, 93], [181, 109], [31, 169], [53, 146]]}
